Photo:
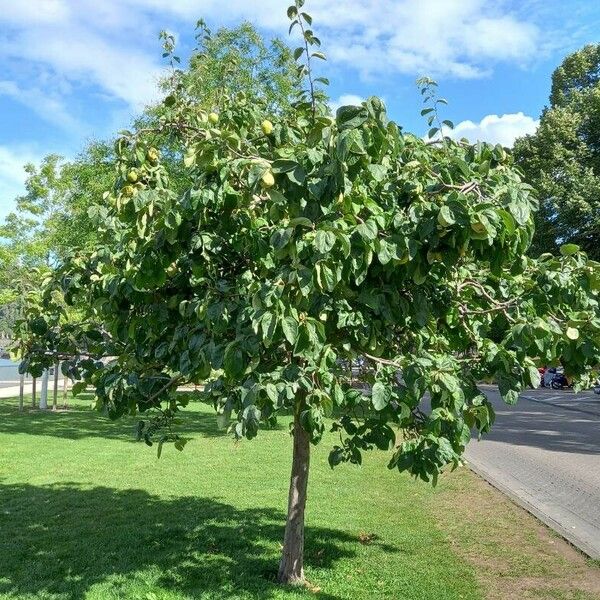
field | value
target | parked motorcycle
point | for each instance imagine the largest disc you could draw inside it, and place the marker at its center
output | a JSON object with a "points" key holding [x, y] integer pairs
{"points": [[559, 381]]}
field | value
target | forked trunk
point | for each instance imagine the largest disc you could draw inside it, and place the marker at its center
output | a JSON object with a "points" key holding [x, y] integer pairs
{"points": [[291, 567]]}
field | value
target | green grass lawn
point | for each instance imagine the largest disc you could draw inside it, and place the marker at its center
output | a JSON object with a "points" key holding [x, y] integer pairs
{"points": [[86, 512]]}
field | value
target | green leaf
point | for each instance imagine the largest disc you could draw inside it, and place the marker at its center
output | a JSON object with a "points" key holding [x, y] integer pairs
{"points": [[351, 117], [180, 443], [327, 405], [326, 276], [272, 393], [336, 456], [290, 329], [508, 389], [533, 376], [39, 326], [268, 324], [379, 396], [284, 166], [569, 249], [520, 211], [324, 241], [386, 252], [297, 176], [368, 230], [377, 171], [233, 361], [301, 221], [338, 394], [445, 217], [78, 387]]}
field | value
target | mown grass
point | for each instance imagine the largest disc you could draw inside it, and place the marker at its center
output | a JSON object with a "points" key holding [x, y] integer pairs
{"points": [[86, 512]]}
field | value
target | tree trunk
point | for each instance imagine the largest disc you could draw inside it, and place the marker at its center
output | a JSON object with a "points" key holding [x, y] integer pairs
{"points": [[44, 393], [291, 567], [55, 387], [21, 391]]}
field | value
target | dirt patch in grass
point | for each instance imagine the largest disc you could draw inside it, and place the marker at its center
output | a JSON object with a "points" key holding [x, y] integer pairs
{"points": [[516, 556]]}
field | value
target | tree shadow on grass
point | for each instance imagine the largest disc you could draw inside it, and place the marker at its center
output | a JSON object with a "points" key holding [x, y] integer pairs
{"points": [[60, 540], [80, 422]]}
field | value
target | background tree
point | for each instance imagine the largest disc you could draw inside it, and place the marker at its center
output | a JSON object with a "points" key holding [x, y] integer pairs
{"points": [[562, 159], [49, 221], [301, 243], [240, 59]]}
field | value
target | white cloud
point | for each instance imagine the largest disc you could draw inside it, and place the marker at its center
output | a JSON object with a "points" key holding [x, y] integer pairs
{"points": [[125, 73], [48, 106], [77, 43], [494, 129], [346, 100], [113, 44], [12, 175], [47, 11], [460, 38]]}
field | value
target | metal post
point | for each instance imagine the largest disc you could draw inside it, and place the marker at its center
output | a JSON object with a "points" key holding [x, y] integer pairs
{"points": [[33, 389], [55, 389], [44, 394], [21, 391]]}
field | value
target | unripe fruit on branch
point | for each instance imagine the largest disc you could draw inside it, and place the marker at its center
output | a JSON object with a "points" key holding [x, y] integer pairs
{"points": [[213, 118], [268, 179], [152, 155], [267, 127], [132, 176]]}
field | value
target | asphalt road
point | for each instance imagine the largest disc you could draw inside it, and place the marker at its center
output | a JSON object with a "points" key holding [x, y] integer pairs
{"points": [[545, 453]]}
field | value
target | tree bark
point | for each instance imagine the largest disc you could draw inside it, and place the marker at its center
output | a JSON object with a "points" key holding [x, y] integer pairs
{"points": [[21, 391], [55, 387], [291, 567]]}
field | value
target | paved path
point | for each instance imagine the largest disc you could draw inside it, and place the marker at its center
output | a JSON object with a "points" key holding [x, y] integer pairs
{"points": [[545, 453], [11, 389]]}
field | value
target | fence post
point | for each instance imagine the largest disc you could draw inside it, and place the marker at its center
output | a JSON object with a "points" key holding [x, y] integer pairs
{"points": [[33, 390], [21, 390], [44, 394], [55, 388]]}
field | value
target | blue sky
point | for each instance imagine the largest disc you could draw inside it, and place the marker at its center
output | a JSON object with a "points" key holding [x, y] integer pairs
{"points": [[75, 70]]}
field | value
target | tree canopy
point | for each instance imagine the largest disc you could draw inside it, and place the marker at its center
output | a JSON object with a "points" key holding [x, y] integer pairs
{"points": [[301, 244], [562, 159]]}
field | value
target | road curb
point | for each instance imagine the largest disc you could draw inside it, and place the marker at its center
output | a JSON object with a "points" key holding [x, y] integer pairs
{"points": [[563, 532]]}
